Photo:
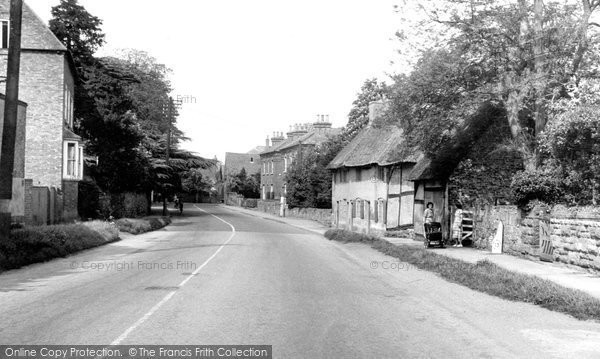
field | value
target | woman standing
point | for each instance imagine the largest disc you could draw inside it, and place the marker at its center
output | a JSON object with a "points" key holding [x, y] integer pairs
{"points": [[456, 224], [428, 214]]}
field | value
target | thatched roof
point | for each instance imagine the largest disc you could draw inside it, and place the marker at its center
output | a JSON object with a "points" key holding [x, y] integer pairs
{"points": [[381, 146], [444, 159]]}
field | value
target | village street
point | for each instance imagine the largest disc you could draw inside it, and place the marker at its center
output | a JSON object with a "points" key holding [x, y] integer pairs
{"points": [[216, 276]]}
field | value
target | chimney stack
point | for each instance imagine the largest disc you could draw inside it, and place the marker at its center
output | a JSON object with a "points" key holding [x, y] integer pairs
{"points": [[376, 110], [322, 125], [277, 138]]}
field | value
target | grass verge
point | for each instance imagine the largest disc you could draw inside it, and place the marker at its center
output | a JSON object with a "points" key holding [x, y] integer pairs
{"points": [[39, 244], [485, 276], [142, 225]]}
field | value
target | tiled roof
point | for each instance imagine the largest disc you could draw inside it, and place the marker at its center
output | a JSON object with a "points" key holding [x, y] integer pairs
{"points": [[385, 145], [311, 138], [257, 150], [35, 34]]}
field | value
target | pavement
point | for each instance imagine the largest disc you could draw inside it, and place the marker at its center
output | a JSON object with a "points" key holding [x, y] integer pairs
{"points": [[562, 274], [219, 275]]}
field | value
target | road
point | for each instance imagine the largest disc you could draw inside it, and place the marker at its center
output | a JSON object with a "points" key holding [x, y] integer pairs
{"points": [[217, 276]]}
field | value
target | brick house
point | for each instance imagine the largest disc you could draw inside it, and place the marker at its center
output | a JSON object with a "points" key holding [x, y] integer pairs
{"points": [[370, 187], [235, 162], [282, 151], [53, 153]]}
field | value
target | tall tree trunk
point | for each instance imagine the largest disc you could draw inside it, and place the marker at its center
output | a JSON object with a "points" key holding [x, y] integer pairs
{"points": [[540, 66], [582, 46]]}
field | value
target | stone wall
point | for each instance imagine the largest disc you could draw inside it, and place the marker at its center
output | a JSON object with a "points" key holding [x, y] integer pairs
{"points": [[323, 216], [316, 214], [575, 234]]}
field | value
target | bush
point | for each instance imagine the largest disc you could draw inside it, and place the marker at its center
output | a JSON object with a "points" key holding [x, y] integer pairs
{"points": [[39, 244], [142, 225], [542, 184], [120, 205]]}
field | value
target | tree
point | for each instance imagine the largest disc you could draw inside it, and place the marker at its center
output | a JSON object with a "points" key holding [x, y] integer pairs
{"points": [[309, 180], [77, 29], [247, 186], [518, 53], [193, 182], [370, 91]]}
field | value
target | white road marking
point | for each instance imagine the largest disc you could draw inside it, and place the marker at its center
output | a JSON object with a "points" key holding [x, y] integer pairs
{"points": [[172, 293]]}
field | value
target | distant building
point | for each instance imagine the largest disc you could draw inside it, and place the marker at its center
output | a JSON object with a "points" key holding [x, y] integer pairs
{"points": [[235, 162], [53, 153], [277, 158]]}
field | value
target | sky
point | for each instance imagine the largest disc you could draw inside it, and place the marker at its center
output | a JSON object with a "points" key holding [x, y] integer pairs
{"points": [[247, 68]]}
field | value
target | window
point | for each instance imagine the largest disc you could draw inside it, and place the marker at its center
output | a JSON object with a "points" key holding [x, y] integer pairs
{"points": [[285, 164], [265, 168], [72, 160], [358, 175], [251, 159], [4, 33], [285, 189], [380, 173], [68, 107], [343, 175], [272, 166]]}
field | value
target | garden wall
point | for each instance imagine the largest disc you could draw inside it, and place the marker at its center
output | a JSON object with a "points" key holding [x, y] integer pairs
{"points": [[316, 214], [574, 232]]}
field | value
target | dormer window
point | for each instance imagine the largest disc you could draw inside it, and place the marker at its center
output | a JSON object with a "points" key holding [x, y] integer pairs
{"points": [[4, 32]]}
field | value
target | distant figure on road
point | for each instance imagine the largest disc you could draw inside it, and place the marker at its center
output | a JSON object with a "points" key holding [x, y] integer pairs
{"points": [[428, 214], [180, 204], [175, 202]]}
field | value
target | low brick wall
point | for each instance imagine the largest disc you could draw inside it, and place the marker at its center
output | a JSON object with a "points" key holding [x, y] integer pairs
{"points": [[320, 215], [271, 207]]}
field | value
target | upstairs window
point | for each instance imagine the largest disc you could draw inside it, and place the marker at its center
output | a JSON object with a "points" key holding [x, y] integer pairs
{"points": [[4, 32], [251, 159], [68, 107]]}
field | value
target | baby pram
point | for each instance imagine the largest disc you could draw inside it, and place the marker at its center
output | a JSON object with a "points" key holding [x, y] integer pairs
{"points": [[433, 234]]}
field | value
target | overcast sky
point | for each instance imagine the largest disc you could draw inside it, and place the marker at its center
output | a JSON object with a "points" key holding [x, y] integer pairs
{"points": [[249, 68]]}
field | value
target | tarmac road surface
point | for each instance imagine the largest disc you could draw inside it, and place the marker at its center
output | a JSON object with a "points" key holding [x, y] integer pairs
{"points": [[217, 276]]}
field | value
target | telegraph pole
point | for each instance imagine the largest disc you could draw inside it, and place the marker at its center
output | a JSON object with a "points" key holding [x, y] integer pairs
{"points": [[168, 151], [11, 108]]}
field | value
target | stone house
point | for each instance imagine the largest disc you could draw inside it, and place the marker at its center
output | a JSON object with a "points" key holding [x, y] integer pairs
{"points": [[17, 203], [53, 153], [282, 151], [370, 187]]}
